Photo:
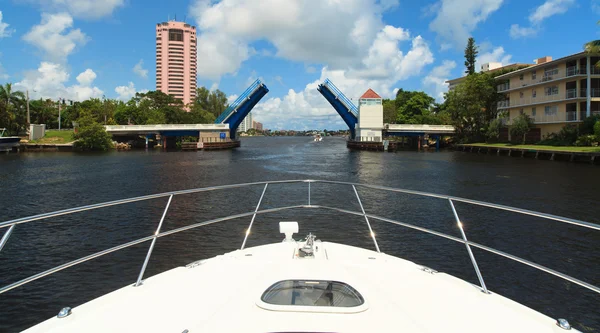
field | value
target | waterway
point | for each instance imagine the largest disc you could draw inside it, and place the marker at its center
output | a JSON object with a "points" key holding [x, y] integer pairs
{"points": [[32, 183]]}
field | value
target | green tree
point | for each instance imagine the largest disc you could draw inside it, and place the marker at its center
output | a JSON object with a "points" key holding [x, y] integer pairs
{"points": [[520, 127], [472, 105], [207, 102], [417, 104], [470, 56], [91, 135], [389, 111], [597, 130], [12, 106], [493, 131]]}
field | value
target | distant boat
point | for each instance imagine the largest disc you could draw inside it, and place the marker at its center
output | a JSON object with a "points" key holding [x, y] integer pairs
{"points": [[318, 138], [8, 142]]}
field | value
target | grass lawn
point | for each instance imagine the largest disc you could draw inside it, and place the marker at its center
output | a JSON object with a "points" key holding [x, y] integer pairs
{"points": [[574, 149], [53, 136]]}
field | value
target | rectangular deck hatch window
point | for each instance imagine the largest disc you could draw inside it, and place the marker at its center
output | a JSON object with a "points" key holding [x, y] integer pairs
{"points": [[312, 293]]}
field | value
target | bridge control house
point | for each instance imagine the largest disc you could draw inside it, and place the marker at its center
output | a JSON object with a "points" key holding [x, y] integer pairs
{"points": [[370, 117]]}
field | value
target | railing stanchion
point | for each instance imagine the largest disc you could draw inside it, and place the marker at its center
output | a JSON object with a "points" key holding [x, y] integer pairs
{"points": [[139, 280], [7, 234], [366, 219], [464, 237], [254, 216]]}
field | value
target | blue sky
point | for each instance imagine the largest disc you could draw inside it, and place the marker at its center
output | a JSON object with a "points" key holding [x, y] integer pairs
{"points": [[86, 48]]}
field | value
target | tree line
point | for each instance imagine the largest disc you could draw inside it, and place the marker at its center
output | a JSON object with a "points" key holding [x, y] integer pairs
{"points": [[153, 107]]}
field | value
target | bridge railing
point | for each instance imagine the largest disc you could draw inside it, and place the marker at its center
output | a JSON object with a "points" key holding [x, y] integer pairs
{"points": [[341, 97], [243, 97], [12, 224], [420, 127]]}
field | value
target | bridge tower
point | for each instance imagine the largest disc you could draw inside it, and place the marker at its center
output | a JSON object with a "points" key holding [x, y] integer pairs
{"points": [[344, 106], [241, 107], [370, 117]]}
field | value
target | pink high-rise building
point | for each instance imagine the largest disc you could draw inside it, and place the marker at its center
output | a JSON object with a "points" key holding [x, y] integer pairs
{"points": [[176, 60]]}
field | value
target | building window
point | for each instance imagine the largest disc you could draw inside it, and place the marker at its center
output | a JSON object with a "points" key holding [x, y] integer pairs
{"points": [[551, 110], [521, 111], [549, 91], [533, 111], [521, 77], [176, 35], [533, 93], [548, 72], [521, 94], [533, 75]]}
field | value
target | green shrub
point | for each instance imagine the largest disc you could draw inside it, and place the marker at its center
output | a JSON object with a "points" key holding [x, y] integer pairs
{"points": [[597, 130], [520, 127], [91, 136], [493, 131], [567, 136], [587, 127], [586, 140]]}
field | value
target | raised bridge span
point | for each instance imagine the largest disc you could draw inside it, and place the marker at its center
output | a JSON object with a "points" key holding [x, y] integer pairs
{"points": [[232, 117]]}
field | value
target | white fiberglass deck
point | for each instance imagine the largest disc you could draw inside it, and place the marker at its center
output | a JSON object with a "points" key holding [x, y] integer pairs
{"points": [[222, 294]]}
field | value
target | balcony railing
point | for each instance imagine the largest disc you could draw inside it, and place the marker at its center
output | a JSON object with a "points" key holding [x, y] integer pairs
{"points": [[503, 87], [569, 94], [569, 116], [570, 71], [595, 92], [593, 71]]}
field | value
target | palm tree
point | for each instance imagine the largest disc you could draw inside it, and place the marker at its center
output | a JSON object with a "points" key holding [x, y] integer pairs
{"points": [[11, 100], [593, 47]]}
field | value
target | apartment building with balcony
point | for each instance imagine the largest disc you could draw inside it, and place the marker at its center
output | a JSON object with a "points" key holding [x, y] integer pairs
{"points": [[552, 93], [490, 67], [176, 60]]}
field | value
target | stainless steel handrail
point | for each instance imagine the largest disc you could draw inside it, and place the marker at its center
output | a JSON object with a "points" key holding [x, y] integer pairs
{"points": [[12, 223]]}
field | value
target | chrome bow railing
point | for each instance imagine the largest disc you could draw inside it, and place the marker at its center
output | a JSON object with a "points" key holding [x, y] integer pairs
{"points": [[12, 224]]}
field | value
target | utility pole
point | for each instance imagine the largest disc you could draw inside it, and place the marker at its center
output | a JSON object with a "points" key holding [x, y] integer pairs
{"points": [[28, 117], [59, 113]]}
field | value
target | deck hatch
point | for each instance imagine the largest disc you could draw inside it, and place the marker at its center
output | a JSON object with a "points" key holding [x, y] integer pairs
{"points": [[312, 293]]}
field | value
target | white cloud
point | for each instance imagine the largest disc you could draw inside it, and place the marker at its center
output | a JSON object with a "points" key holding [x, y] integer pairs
{"points": [[595, 6], [495, 54], [4, 30], [517, 31], [436, 79], [310, 69], [126, 92], [548, 9], [86, 78], [456, 19], [88, 9], [307, 109], [295, 29], [55, 36], [49, 80], [139, 69]]}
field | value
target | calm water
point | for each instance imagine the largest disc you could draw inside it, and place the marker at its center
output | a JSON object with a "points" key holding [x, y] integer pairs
{"points": [[43, 182]]}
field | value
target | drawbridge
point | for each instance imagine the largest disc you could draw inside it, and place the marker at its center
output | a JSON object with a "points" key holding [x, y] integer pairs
{"points": [[344, 106], [239, 109]]}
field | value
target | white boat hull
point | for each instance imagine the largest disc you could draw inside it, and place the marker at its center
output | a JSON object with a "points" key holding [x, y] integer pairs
{"points": [[222, 294]]}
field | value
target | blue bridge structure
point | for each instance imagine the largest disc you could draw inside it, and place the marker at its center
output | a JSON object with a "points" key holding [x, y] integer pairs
{"points": [[239, 109], [344, 106]]}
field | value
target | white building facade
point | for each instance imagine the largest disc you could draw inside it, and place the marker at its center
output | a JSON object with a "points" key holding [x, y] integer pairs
{"points": [[370, 117], [246, 123]]}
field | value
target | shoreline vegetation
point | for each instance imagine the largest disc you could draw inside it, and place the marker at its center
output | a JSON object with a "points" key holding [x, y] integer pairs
{"points": [[567, 149]]}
